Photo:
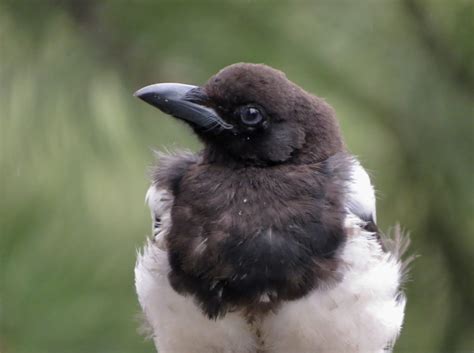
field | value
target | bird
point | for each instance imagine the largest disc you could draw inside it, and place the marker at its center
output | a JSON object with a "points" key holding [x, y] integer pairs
{"points": [[266, 240]]}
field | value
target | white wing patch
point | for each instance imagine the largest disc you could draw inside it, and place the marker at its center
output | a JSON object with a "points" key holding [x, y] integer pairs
{"points": [[360, 194], [160, 202]]}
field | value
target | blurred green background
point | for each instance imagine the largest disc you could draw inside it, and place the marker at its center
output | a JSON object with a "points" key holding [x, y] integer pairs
{"points": [[75, 145]]}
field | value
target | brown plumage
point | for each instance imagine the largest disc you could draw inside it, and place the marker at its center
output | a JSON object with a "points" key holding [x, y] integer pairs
{"points": [[257, 230]]}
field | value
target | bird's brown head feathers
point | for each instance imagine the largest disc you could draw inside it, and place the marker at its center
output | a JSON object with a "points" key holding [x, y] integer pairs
{"points": [[252, 113]]}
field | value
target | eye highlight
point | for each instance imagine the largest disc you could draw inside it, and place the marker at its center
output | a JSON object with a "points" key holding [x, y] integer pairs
{"points": [[251, 115]]}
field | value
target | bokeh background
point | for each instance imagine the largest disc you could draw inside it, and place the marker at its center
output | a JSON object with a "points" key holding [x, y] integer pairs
{"points": [[75, 145]]}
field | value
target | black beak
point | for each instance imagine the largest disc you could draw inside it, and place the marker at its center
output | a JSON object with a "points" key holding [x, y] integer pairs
{"points": [[184, 102]]}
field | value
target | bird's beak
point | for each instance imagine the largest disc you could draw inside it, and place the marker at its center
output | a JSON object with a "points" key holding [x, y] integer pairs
{"points": [[184, 102]]}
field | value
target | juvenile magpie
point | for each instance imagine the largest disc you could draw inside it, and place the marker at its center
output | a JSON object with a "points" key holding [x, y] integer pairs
{"points": [[266, 240]]}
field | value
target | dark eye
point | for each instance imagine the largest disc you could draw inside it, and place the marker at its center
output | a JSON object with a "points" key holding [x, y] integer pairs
{"points": [[250, 115]]}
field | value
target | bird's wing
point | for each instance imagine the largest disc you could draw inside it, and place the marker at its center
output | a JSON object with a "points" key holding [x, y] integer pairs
{"points": [[360, 198], [159, 201]]}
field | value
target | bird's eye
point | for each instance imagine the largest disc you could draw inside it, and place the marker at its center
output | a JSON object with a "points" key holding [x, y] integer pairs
{"points": [[250, 115]]}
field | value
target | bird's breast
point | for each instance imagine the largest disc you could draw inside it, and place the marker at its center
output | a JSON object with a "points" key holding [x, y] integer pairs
{"points": [[254, 240]]}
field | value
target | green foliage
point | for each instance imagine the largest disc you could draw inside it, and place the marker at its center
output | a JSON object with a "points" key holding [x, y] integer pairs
{"points": [[74, 145]]}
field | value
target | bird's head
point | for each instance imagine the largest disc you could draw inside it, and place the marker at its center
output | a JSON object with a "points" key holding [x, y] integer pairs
{"points": [[252, 113]]}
